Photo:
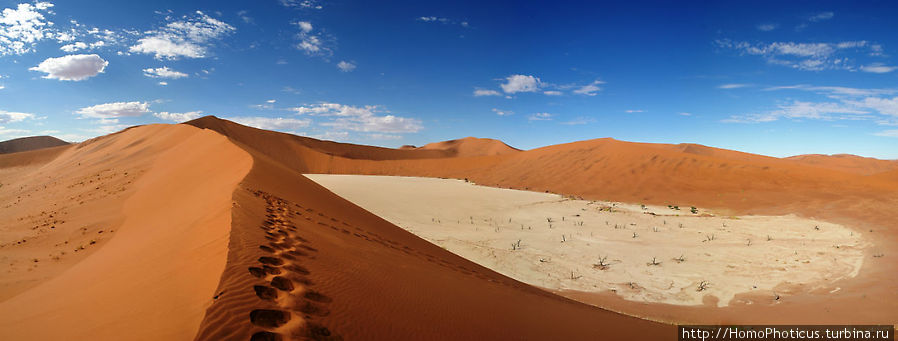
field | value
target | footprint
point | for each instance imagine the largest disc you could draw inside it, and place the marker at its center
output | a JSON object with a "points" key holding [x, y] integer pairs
{"points": [[282, 283], [266, 248], [313, 295], [271, 261], [258, 272], [310, 308], [271, 270], [269, 318], [265, 292], [297, 269]]}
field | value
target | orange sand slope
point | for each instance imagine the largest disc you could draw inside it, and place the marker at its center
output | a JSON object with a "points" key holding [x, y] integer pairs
{"points": [[725, 181], [220, 237], [157, 253]]}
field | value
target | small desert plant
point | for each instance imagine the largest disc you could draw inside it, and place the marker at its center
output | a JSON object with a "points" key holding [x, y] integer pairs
{"points": [[680, 259], [602, 264], [654, 229], [654, 262], [693, 210], [574, 277], [516, 245], [769, 238], [635, 235], [703, 286], [709, 238], [749, 243], [677, 207]]}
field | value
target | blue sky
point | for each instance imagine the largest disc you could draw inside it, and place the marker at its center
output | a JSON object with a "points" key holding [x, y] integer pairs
{"points": [[774, 78]]}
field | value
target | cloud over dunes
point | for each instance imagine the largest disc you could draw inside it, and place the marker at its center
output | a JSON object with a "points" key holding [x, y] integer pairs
{"points": [[189, 37], [115, 109], [75, 67]]}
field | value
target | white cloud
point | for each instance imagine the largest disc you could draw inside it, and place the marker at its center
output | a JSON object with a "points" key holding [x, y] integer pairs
{"points": [[835, 90], [887, 133], [189, 37], [9, 132], [246, 18], [369, 118], [884, 106], [73, 47], [878, 68], [767, 27], [540, 116], [552, 93], [23, 26], [802, 56], [484, 92], [74, 67], [503, 112], [580, 121], [803, 110], [631, 111], [272, 123], [271, 101], [821, 16], [383, 137], [178, 117], [13, 117], [163, 72], [685, 114], [441, 20], [732, 86], [115, 109], [345, 66], [311, 42], [520, 83], [163, 83], [589, 89], [304, 4]]}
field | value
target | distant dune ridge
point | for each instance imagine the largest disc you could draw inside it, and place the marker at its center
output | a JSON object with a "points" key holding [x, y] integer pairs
{"points": [[24, 144], [272, 254]]}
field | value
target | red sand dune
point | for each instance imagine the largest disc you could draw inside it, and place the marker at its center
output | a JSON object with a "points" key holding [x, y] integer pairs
{"points": [[471, 146], [729, 182], [848, 163], [25, 144], [301, 262]]}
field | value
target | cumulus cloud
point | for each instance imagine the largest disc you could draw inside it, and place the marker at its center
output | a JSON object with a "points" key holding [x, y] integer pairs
{"points": [[13, 117], [178, 117], [803, 56], [310, 41], [189, 37], [541, 116], [520, 83], [23, 26], [74, 67], [503, 112], [115, 109], [803, 110], [163, 72], [272, 123], [369, 118], [484, 92], [345, 66]]}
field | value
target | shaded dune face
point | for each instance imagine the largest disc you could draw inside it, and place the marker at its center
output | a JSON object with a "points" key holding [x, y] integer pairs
{"points": [[25, 144], [163, 197]]}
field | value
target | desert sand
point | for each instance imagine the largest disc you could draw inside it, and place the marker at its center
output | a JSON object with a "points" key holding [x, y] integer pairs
{"points": [[210, 232], [124, 236], [642, 253]]}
